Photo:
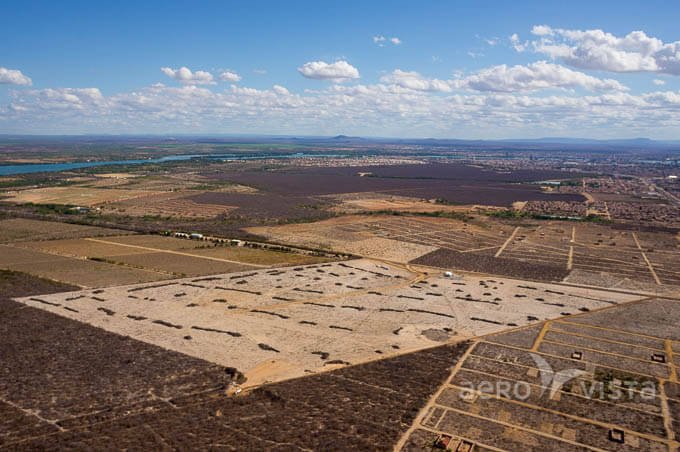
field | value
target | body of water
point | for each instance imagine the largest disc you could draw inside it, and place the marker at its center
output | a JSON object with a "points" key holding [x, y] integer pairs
{"points": [[27, 168]]}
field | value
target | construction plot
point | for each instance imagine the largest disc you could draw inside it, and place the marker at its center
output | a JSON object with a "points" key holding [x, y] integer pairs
{"points": [[576, 252], [598, 381], [286, 322]]}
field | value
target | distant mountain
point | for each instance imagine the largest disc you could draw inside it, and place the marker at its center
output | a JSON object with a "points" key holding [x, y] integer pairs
{"points": [[345, 137]]}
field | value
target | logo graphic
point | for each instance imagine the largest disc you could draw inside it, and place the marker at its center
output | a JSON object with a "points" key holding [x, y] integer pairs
{"points": [[551, 379]]}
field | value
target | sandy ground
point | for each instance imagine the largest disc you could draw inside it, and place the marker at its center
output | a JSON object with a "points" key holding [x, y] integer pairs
{"points": [[282, 323], [329, 235]]}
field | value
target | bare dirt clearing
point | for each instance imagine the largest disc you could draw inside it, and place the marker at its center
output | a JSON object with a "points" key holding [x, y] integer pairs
{"points": [[578, 252], [287, 322]]}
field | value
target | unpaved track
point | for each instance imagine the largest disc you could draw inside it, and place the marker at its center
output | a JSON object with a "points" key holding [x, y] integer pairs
{"points": [[179, 253]]}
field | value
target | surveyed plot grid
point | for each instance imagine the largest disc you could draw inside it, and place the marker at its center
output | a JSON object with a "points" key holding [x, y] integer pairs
{"points": [[506, 384], [623, 254]]}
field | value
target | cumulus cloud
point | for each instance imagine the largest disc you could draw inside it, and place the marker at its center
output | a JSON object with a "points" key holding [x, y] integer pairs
{"points": [[415, 81], [278, 89], [516, 44], [14, 77], [320, 70], [185, 76], [230, 76], [396, 41], [382, 108], [659, 82], [502, 78], [598, 50], [534, 76]]}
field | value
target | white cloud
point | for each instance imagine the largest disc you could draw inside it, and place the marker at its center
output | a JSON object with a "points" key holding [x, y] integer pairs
{"points": [[278, 89], [415, 81], [491, 41], [506, 79], [184, 76], [381, 40], [659, 82], [260, 71], [230, 76], [598, 50], [541, 30], [14, 77], [337, 72], [534, 76], [378, 109], [516, 44]]}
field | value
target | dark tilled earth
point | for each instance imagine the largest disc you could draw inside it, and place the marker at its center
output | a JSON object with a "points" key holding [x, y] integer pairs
{"points": [[64, 384]]}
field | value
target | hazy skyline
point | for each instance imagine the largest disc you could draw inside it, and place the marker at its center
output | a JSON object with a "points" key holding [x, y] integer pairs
{"points": [[468, 69]]}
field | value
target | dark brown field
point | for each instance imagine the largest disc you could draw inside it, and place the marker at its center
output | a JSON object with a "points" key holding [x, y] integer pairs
{"points": [[455, 183]]}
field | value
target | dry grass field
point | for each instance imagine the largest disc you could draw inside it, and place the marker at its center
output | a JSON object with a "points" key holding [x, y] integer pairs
{"points": [[128, 259], [19, 229], [80, 272], [79, 196]]}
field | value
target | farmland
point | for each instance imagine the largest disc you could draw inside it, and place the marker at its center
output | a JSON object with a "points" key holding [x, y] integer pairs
{"points": [[101, 259]]}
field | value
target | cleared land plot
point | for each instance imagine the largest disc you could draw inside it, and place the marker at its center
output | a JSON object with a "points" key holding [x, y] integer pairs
{"points": [[611, 400], [166, 205], [286, 322], [19, 229], [79, 196], [580, 253]]}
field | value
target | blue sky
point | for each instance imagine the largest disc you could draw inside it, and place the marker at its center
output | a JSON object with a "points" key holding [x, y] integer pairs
{"points": [[454, 69]]}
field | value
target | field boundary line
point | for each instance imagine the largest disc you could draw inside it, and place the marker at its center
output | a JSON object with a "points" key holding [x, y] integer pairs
{"points": [[522, 427], [540, 336], [180, 253], [531, 406], [644, 256], [507, 242], [416, 424]]}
